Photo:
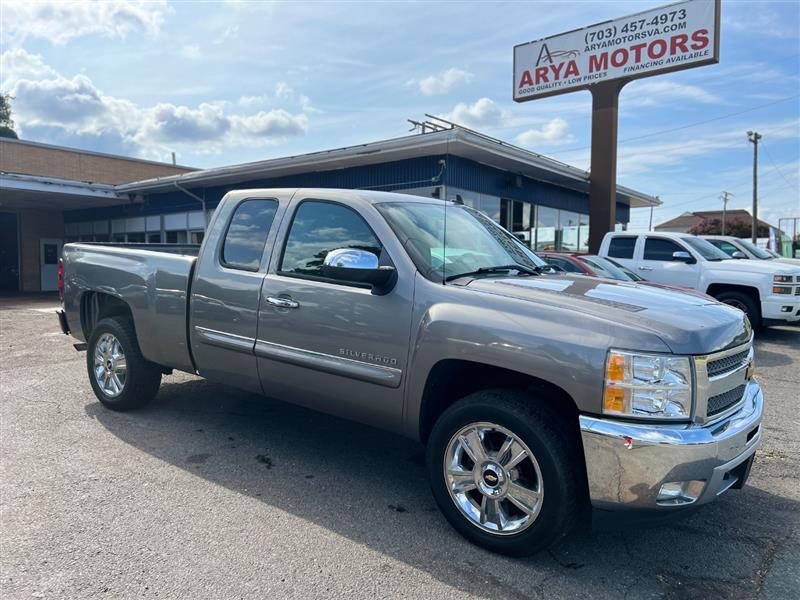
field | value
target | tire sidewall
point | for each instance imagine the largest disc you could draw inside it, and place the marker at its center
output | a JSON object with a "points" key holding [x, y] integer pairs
{"points": [[111, 326], [552, 518], [751, 311]]}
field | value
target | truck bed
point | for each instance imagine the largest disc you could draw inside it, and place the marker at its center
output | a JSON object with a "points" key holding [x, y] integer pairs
{"points": [[154, 280]]}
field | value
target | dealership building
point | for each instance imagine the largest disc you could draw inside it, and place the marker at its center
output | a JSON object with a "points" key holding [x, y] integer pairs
{"points": [[52, 195]]}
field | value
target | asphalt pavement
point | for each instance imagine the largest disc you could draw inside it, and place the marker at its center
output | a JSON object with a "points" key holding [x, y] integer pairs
{"points": [[210, 492]]}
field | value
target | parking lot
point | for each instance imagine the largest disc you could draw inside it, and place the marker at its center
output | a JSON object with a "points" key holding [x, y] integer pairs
{"points": [[214, 493]]}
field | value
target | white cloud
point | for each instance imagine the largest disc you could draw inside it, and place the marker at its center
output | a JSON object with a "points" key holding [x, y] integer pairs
{"points": [[16, 64], [48, 101], [231, 31], [441, 83], [283, 93], [59, 21], [482, 113], [658, 92], [552, 133], [190, 51]]}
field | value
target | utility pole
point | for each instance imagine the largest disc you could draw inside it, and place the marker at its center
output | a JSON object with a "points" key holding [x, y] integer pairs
{"points": [[753, 137], [724, 198], [651, 216]]}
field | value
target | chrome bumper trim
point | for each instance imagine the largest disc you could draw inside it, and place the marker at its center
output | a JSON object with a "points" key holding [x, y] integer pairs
{"points": [[627, 463]]}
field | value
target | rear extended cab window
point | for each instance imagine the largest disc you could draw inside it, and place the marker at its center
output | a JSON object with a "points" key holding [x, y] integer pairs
{"points": [[622, 246], [247, 233]]}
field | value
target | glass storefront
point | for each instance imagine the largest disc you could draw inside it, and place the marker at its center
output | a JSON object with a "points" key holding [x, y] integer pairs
{"points": [[543, 228], [545, 237]]}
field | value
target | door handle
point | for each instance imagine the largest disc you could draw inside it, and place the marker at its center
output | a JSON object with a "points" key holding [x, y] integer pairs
{"points": [[282, 302], [645, 268]]}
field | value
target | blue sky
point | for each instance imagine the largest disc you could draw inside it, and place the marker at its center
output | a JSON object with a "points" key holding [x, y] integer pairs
{"points": [[221, 83]]}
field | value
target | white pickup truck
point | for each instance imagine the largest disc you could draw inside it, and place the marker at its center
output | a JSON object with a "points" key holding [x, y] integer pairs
{"points": [[768, 291], [745, 249]]}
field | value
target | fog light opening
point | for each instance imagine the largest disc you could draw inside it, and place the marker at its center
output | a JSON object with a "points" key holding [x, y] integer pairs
{"points": [[786, 309], [680, 493]]}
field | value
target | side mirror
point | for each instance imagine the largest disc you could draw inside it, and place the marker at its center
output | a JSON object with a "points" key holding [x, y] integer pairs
{"points": [[739, 254], [359, 266], [684, 257]]}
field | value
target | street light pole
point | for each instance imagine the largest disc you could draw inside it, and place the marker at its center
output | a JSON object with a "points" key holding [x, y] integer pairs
{"points": [[753, 137]]}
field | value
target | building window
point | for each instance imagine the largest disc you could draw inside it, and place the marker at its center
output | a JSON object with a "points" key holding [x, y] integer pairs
{"points": [[583, 234], [196, 237], [546, 227], [176, 237], [569, 223], [154, 238], [136, 237], [521, 221]]}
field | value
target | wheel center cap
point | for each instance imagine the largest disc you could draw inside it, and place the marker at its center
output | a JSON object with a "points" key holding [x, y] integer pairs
{"points": [[492, 480]]}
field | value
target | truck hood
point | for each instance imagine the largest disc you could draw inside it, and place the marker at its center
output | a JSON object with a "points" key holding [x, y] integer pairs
{"points": [[686, 323], [795, 262], [766, 267]]}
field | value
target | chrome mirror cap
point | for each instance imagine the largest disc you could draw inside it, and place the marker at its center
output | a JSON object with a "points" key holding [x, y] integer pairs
{"points": [[682, 256], [351, 258]]}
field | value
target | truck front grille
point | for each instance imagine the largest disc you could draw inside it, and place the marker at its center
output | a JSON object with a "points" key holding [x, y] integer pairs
{"points": [[727, 364], [722, 380], [722, 402]]}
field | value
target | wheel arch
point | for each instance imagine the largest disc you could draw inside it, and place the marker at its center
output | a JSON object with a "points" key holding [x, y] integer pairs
{"points": [[449, 380], [96, 306], [717, 288]]}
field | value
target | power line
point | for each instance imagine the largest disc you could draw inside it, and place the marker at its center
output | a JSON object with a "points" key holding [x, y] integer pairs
{"points": [[689, 125], [774, 164]]}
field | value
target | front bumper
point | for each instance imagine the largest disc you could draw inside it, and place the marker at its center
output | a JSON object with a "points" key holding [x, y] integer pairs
{"points": [[781, 308], [628, 463]]}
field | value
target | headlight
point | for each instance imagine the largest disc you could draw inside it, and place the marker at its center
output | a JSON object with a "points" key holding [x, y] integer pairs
{"points": [[782, 278], [649, 386], [779, 289]]}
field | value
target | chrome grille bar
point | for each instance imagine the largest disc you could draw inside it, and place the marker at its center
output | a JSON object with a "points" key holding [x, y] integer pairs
{"points": [[718, 377]]}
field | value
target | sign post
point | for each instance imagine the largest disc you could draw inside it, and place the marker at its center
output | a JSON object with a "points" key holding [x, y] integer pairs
{"points": [[604, 57]]}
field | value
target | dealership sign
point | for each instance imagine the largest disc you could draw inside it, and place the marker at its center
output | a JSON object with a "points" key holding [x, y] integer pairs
{"points": [[678, 36]]}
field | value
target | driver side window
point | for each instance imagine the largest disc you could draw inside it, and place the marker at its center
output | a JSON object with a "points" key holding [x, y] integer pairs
{"points": [[319, 227], [660, 249]]}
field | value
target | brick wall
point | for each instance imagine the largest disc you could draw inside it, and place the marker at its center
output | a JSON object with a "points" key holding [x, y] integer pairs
{"points": [[66, 163]]}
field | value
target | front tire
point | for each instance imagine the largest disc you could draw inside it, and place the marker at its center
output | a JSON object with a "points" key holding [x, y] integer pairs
{"points": [[121, 378], [505, 471], [743, 302]]}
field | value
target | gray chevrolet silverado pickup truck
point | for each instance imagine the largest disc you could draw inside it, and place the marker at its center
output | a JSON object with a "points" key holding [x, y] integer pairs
{"points": [[539, 394]]}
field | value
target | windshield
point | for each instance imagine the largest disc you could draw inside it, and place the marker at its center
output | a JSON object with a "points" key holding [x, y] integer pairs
{"points": [[473, 241], [756, 251], [606, 268], [705, 249]]}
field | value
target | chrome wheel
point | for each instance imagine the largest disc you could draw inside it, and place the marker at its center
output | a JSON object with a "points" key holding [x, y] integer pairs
{"points": [[110, 368], [493, 478]]}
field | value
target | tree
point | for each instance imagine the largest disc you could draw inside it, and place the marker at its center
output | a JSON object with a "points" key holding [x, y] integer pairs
{"points": [[737, 227], [6, 122]]}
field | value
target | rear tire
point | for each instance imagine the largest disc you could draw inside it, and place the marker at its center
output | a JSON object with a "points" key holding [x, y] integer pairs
{"points": [[743, 302], [535, 501], [121, 378]]}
